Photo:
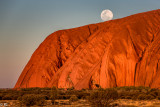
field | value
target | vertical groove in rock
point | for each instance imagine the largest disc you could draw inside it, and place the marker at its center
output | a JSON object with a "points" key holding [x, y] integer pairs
{"points": [[59, 53], [135, 72]]}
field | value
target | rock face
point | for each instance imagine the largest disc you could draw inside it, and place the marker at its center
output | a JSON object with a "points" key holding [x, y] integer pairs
{"points": [[121, 52]]}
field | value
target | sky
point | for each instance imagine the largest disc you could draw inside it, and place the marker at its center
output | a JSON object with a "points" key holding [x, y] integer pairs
{"points": [[24, 24]]}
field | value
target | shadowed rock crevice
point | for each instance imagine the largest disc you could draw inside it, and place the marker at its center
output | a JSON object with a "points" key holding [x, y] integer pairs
{"points": [[135, 72], [60, 51], [89, 31]]}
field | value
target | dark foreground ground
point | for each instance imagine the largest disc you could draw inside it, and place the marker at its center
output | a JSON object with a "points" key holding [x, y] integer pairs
{"points": [[84, 103], [53, 97]]}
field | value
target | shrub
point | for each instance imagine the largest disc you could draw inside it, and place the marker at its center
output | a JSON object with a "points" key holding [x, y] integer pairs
{"points": [[126, 88], [131, 94], [149, 97], [15, 96], [70, 92], [145, 97], [53, 95], [40, 101], [142, 97], [134, 98], [1, 96], [19, 98], [7, 97], [71, 88], [103, 97], [46, 88], [135, 94], [154, 93], [158, 97], [73, 98], [82, 95], [140, 88], [32, 99], [28, 100], [123, 94], [63, 97], [128, 97]]}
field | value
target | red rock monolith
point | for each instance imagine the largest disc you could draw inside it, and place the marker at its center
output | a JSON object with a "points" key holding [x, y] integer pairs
{"points": [[121, 52]]}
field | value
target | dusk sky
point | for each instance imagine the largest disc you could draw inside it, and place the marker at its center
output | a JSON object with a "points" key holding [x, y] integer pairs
{"points": [[24, 24]]}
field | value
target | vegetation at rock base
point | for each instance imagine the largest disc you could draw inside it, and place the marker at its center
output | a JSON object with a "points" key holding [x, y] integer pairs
{"points": [[32, 99], [102, 97], [96, 97], [73, 98], [53, 95]]}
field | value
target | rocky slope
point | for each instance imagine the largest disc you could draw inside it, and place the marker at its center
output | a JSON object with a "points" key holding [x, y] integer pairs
{"points": [[121, 52]]}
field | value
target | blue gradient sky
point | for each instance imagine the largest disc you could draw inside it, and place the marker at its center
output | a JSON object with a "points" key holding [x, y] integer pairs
{"points": [[24, 24]]}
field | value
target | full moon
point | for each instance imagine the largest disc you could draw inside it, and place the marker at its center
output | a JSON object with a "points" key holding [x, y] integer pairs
{"points": [[106, 15]]}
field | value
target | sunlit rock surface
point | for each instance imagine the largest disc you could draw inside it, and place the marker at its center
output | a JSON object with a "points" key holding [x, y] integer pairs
{"points": [[121, 52]]}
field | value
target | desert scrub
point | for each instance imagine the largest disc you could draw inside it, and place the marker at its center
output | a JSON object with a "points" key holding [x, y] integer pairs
{"points": [[150, 97], [141, 97], [102, 97], [128, 94], [1, 96], [54, 94], [7, 97], [32, 99], [158, 97], [154, 92], [73, 98], [145, 97]]}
